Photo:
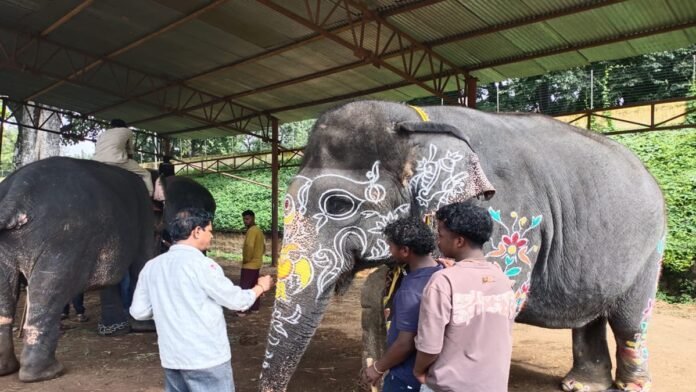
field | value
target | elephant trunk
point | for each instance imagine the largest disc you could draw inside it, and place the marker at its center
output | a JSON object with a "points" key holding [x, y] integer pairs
{"points": [[293, 323]]}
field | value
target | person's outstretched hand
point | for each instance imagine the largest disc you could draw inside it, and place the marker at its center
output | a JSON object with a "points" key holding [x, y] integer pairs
{"points": [[266, 282]]}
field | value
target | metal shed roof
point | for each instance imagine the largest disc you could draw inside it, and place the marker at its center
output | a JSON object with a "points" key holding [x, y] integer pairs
{"points": [[204, 68]]}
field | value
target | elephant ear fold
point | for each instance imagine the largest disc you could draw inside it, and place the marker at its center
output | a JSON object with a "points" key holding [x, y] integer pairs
{"points": [[432, 127]]}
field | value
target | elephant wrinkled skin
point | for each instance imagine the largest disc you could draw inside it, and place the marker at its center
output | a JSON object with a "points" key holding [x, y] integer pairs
{"points": [[579, 224]]}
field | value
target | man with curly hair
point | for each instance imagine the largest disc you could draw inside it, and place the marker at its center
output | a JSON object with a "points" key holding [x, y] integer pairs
{"points": [[470, 306], [410, 243]]}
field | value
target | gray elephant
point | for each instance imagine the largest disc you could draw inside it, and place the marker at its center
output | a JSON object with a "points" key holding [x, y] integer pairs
{"points": [[66, 225], [579, 224]]}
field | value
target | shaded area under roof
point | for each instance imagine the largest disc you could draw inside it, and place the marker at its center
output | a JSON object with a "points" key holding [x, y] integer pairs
{"points": [[196, 68]]}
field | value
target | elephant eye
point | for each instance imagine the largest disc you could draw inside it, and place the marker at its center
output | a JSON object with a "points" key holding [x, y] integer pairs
{"points": [[339, 205]]}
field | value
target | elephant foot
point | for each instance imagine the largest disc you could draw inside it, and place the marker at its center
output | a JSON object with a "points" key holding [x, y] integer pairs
{"points": [[634, 386], [142, 326], [8, 365], [34, 373], [584, 382]]}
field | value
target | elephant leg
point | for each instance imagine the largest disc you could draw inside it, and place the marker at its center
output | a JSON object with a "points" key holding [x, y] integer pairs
{"points": [[46, 296], [8, 304], [114, 318], [629, 322], [374, 332], [591, 361]]}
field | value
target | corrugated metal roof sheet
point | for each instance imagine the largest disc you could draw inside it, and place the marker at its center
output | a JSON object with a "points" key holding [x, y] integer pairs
{"points": [[252, 52]]}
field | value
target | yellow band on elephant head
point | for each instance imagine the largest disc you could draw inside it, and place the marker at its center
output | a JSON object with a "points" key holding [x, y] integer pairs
{"points": [[423, 115]]}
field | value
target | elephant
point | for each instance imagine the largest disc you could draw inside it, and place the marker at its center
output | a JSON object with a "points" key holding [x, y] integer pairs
{"points": [[67, 226], [579, 225]]}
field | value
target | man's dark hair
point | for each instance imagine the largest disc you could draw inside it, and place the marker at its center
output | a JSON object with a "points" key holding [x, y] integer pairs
{"points": [[411, 232], [186, 220], [249, 213], [468, 220], [118, 123]]}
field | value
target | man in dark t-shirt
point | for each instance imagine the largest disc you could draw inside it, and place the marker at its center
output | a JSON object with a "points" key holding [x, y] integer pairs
{"points": [[410, 243]]}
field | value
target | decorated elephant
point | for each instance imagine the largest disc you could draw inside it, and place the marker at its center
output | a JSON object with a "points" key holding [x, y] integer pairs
{"points": [[579, 224], [67, 226]]}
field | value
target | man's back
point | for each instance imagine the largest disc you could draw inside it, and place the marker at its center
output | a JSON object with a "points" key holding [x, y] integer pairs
{"points": [[185, 290], [470, 306], [111, 145]]}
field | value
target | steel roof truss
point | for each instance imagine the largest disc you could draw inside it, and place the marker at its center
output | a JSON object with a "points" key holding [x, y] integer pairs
{"points": [[369, 53]]}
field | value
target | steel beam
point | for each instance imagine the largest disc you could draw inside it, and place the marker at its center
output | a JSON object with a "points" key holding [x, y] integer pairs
{"points": [[586, 45], [125, 78], [2, 123], [394, 53], [134, 44], [272, 52], [412, 59], [274, 196]]}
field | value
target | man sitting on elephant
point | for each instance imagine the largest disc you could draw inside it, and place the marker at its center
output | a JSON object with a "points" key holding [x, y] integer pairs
{"points": [[410, 242], [116, 146]]}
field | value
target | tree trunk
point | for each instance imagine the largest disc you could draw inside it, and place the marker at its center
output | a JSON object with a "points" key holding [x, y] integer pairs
{"points": [[33, 145]]}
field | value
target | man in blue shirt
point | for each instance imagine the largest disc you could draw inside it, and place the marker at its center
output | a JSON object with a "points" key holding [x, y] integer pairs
{"points": [[410, 243]]}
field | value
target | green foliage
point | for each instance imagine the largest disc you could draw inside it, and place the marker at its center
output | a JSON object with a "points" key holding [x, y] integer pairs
{"points": [[292, 135], [235, 196], [671, 158], [7, 146]]}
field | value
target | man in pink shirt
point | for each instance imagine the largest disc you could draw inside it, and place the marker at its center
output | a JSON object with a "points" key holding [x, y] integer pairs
{"points": [[464, 338]]}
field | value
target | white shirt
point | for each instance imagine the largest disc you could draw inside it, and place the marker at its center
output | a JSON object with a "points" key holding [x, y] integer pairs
{"points": [[114, 145], [184, 291]]}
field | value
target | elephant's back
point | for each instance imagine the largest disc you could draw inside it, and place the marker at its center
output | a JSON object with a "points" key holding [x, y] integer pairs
{"points": [[76, 190]]}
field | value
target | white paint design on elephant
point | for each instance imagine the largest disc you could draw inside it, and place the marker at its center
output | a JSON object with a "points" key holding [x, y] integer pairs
{"points": [[330, 262], [431, 171], [278, 322]]}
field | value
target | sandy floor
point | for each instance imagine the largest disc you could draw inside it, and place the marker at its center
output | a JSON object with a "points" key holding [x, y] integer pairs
{"points": [[540, 357]]}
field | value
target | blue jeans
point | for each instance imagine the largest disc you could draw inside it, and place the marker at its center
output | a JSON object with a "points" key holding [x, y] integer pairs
{"points": [[215, 379], [125, 289], [394, 384]]}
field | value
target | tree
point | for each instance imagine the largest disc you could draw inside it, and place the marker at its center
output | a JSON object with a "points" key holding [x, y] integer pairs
{"points": [[32, 144]]}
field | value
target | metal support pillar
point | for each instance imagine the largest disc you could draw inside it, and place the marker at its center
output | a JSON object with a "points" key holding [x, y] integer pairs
{"points": [[471, 92], [2, 125], [274, 192], [166, 146]]}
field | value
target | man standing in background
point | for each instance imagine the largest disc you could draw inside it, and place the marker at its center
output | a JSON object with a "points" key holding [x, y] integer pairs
{"points": [[252, 257]]}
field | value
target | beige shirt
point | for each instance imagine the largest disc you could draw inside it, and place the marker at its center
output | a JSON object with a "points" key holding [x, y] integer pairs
{"points": [[466, 317], [114, 145]]}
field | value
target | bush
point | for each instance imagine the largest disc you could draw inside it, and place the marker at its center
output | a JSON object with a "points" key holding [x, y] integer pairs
{"points": [[671, 158], [235, 196]]}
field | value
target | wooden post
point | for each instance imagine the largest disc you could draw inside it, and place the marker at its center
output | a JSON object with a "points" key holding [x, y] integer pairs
{"points": [[471, 92], [166, 146], [274, 192]]}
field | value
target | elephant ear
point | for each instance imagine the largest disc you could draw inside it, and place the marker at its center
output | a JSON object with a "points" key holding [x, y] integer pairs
{"points": [[480, 183], [432, 127]]}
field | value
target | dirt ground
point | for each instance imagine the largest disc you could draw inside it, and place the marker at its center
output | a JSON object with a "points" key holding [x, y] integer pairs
{"points": [[540, 356]]}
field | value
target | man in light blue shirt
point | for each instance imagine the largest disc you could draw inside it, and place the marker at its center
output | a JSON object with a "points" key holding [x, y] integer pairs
{"points": [[184, 292]]}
